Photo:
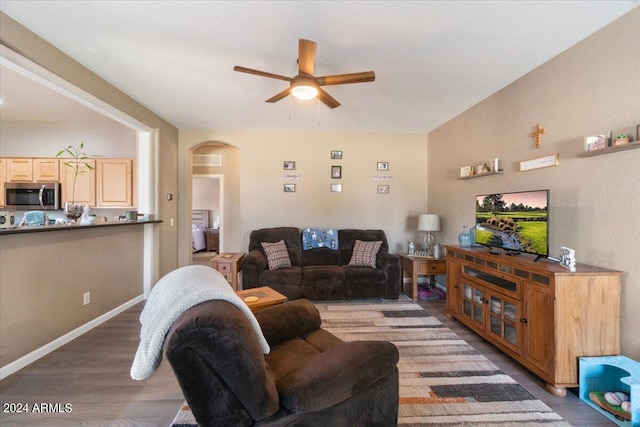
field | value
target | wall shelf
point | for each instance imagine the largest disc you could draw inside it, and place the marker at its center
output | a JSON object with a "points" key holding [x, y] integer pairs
{"points": [[609, 150], [479, 175]]}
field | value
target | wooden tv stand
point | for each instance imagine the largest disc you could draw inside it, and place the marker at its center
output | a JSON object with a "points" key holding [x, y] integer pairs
{"points": [[539, 313]]}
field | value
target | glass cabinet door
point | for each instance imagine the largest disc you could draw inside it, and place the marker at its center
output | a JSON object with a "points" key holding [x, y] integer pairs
{"points": [[473, 302], [503, 321]]}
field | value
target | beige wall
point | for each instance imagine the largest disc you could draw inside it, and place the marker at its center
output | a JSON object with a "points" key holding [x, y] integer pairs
{"points": [[595, 202], [44, 276], [263, 203]]}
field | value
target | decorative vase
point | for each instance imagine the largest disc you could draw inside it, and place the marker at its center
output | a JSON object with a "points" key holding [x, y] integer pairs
{"points": [[72, 210], [464, 238]]}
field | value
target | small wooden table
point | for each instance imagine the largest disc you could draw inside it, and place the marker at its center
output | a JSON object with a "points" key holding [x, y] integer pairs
{"points": [[229, 264], [421, 266], [266, 297]]}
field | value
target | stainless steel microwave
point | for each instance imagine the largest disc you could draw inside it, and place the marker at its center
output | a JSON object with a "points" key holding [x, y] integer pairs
{"points": [[32, 195]]}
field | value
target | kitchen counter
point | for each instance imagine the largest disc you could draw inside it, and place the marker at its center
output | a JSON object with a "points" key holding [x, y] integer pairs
{"points": [[73, 226]]}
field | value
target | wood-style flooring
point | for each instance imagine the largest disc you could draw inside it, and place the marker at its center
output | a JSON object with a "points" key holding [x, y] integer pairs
{"points": [[92, 375]]}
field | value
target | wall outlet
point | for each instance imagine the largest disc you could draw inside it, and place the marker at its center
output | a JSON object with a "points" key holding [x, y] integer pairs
{"points": [[86, 298]]}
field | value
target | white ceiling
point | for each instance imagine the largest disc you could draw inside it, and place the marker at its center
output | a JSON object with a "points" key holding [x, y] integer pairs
{"points": [[432, 59]]}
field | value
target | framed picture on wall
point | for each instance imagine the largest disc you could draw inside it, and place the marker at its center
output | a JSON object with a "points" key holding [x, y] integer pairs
{"points": [[289, 165], [336, 172], [289, 188], [383, 166], [336, 154], [336, 188], [383, 189]]}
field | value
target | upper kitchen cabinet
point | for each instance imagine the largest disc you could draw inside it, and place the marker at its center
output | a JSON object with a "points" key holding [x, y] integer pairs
{"points": [[83, 191], [32, 170], [46, 170], [115, 182], [19, 170]]}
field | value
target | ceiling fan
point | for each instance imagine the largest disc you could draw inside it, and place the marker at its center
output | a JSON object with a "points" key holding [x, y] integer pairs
{"points": [[305, 85]]}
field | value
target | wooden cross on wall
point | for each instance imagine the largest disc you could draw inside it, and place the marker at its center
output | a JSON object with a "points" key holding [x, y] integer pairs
{"points": [[539, 131]]}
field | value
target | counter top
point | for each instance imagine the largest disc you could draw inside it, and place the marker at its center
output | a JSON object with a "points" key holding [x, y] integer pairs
{"points": [[67, 227]]}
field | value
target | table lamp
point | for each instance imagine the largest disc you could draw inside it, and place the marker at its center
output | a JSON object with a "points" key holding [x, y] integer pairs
{"points": [[429, 223]]}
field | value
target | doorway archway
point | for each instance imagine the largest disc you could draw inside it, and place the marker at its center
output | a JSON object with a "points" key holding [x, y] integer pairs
{"points": [[215, 188]]}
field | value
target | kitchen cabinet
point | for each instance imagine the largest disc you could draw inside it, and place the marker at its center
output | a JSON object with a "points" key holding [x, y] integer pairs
{"points": [[542, 315], [19, 169], [32, 170], [114, 182], [85, 184], [46, 170]]}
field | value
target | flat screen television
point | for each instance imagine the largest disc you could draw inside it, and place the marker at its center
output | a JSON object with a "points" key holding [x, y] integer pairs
{"points": [[516, 222]]}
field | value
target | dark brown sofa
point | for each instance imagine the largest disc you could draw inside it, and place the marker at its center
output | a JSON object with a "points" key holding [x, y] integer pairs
{"points": [[322, 273], [309, 378]]}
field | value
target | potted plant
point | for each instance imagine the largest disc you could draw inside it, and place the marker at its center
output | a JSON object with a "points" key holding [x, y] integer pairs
{"points": [[78, 163], [623, 138]]}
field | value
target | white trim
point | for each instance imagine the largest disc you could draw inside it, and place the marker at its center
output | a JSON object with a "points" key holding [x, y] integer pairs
{"points": [[38, 353]]}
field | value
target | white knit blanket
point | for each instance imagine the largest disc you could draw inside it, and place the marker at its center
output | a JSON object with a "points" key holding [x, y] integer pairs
{"points": [[174, 294]]}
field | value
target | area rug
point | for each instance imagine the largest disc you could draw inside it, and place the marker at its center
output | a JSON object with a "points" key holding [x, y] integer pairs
{"points": [[443, 380]]}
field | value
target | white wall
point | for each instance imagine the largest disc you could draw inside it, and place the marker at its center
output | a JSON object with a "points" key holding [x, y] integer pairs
{"points": [[595, 202]]}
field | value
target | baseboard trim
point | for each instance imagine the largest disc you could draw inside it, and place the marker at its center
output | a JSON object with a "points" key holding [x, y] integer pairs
{"points": [[38, 353]]}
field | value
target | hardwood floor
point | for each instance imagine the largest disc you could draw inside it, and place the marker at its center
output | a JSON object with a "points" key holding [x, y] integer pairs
{"points": [[92, 375]]}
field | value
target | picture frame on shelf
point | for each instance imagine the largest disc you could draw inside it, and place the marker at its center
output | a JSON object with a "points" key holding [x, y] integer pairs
{"points": [[638, 133], [336, 172], [336, 188], [383, 189], [336, 154], [289, 165], [465, 171], [289, 188], [382, 166], [595, 142], [568, 258]]}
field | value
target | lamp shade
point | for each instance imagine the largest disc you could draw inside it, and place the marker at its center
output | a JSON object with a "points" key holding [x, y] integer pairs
{"points": [[429, 222]]}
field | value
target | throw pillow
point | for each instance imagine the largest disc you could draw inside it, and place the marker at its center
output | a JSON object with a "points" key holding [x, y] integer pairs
{"points": [[364, 253], [277, 255]]}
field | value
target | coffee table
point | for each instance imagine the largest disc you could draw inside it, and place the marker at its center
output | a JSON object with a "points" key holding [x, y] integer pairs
{"points": [[266, 297]]}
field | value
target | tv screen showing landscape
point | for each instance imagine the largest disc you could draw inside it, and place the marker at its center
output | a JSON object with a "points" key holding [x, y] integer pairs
{"points": [[514, 221]]}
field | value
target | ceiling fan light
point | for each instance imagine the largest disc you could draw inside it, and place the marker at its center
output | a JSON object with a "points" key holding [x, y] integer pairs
{"points": [[304, 89]]}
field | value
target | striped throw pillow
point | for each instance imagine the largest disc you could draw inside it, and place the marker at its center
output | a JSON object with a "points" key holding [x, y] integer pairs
{"points": [[365, 253], [277, 255]]}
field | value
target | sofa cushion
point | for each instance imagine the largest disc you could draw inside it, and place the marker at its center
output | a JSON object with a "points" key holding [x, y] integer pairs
{"points": [[365, 253], [320, 256], [347, 239], [323, 282], [277, 255], [290, 235], [364, 282]]}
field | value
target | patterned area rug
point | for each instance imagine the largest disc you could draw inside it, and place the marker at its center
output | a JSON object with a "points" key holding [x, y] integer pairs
{"points": [[443, 380]]}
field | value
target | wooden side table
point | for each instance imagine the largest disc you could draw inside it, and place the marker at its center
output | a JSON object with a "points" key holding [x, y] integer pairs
{"points": [[229, 265], [259, 298], [416, 266]]}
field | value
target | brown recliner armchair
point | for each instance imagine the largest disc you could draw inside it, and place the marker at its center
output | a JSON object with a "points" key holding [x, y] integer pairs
{"points": [[310, 377]]}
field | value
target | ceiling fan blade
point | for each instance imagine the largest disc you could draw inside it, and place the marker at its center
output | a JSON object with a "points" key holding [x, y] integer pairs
{"points": [[327, 99], [306, 56], [261, 73], [340, 79], [279, 96]]}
